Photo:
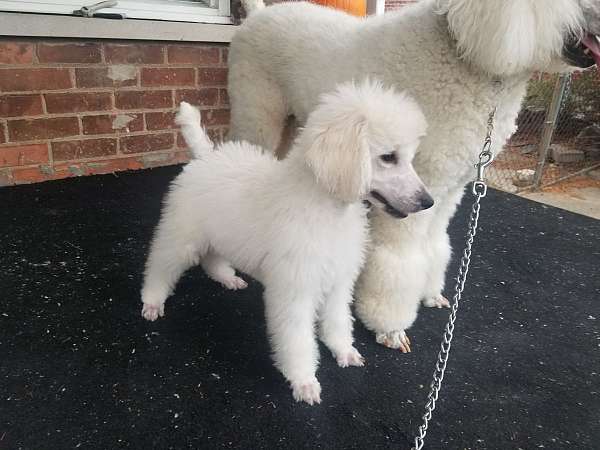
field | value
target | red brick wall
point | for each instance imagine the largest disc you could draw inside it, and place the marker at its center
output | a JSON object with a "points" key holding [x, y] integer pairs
{"points": [[390, 5], [75, 107]]}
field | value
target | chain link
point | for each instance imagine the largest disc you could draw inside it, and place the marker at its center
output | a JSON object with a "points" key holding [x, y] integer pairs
{"points": [[479, 190]]}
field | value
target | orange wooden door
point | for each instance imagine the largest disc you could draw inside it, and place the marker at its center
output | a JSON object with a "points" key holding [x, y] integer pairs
{"points": [[355, 7]]}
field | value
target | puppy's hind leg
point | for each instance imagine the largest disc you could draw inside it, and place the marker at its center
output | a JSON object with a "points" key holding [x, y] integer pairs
{"points": [[336, 320], [220, 270], [172, 253]]}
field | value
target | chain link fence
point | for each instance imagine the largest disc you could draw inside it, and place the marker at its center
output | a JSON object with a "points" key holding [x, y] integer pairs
{"points": [[558, 133]]}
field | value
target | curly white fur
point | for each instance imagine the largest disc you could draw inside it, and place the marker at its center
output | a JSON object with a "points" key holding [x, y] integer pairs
{"points": [[291, 224], [507, 37], [458, 58]]}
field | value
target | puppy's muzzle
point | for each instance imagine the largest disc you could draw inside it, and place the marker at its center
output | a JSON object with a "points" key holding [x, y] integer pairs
{"points": [[421, 202], [425, 200]]}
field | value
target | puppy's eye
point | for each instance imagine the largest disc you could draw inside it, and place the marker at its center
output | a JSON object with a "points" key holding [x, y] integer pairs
{"points": [[389, 158]]}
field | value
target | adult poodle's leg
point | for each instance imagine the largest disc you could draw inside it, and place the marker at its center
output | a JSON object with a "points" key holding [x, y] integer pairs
{"points": [[172, 252], [335, 329], [390, 286], [220, 270], [438, 250], [290, 312], [258, 110]]}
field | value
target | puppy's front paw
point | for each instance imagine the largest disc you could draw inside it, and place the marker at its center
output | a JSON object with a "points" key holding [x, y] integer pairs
{"points": [[437, 301], [396, 339], [307, 391], [350, 358], [234, 283], [153, 312]]}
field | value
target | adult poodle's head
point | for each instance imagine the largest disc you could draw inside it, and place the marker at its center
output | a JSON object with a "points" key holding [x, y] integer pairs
{"points": [[507, 37], [360, 142]]}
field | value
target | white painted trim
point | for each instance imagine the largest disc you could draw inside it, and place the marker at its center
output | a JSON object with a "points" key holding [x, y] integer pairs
{"points": [[375, 7], [169, 10], [42, 25]]}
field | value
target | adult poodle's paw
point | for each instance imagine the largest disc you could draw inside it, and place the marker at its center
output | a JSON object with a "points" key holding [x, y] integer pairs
{"points": [[153, 312], [350, 358], [396, 339], [437, 301], [307, 391]]}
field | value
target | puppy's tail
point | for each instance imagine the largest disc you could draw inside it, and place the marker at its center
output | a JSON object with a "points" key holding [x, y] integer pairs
{"points": [[252, 5], [188, 118]]}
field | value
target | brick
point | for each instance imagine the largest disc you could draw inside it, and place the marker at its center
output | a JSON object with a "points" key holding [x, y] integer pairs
{"points": [[2, 136], [224, 55], [216, 76], [109, 124], [198, 97], [143, 99], [87, 52], [12, 80], [70, 169], [23, 155], [98, 124], [20, 105], [26, 175], [6, 177], [134, 54], [160, 120], [215, 135], [163, 159], [16, 53], [223, 97], [181, 141], [198, 55], [113, 76], [77, 102], [89, 148], [215, 117], [146, 143], [48, 128], [158, 76]]}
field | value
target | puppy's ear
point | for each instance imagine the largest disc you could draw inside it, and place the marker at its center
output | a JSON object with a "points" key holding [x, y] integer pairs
{"points": [[339, 156]]}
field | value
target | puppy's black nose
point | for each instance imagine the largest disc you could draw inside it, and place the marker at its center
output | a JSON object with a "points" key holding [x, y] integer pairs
{"points": [[426, 201]]}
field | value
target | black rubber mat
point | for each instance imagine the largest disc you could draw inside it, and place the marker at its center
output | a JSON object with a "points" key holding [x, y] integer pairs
{"points": [[79, 368]]}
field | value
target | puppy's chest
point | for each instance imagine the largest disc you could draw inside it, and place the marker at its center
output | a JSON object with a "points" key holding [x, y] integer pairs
{"points": [[341, 254]]}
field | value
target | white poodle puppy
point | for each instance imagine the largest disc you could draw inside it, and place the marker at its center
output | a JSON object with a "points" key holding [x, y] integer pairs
{"points": [[298, 226], [458, 58]]}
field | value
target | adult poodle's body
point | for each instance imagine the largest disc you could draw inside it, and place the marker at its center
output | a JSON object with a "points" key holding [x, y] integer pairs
{"points": [[458, 58], [298, 226]]}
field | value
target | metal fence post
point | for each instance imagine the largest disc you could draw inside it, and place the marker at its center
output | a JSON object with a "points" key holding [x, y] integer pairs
{"points": [[549, 127]]}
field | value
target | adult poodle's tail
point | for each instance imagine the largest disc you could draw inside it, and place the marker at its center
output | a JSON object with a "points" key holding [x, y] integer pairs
{"points": [[252, 5], [188, 118]]}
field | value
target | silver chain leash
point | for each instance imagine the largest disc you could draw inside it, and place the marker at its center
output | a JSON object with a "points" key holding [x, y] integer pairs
{"points": [[479, 190]]}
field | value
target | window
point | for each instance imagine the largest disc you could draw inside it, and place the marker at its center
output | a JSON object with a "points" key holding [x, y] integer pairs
{"points": [[207, 11]]}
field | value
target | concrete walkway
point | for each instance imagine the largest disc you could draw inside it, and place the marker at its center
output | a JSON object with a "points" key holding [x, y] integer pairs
{"points": [[584, 201]]}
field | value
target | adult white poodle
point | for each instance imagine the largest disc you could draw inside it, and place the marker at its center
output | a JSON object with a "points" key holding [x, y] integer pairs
{"points": [[458, 58], [299, 226]]}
